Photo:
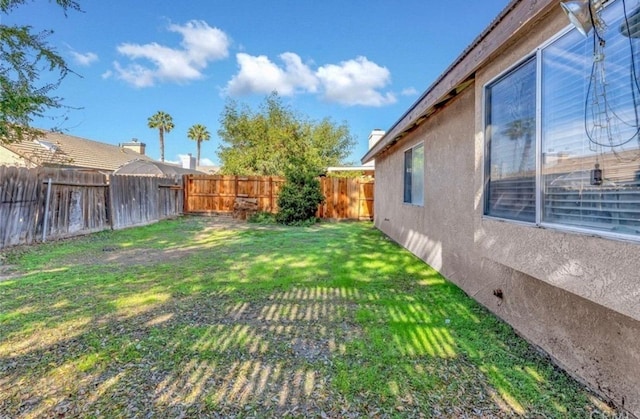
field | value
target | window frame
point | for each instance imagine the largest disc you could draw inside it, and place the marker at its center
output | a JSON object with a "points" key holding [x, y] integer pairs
{"points": [[404, 175], [486, 175], [535, 54]]}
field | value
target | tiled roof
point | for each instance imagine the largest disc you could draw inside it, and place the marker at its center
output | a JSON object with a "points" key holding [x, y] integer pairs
{"points": [[57, 149]]}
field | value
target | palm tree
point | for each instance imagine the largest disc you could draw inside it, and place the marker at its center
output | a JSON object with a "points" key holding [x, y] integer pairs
{"points": [[198, 133], [164, 122], [522, 129]]}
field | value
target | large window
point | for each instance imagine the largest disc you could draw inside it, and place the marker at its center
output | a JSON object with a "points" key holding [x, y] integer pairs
{"points": [[414, 175], [581, 168]]}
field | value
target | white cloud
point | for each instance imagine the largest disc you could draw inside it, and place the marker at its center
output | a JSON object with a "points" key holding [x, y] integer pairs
{"points": [[170, 64], [200, 44], [206, 162], [356, 82], [353, 82], [409, 91], [85, 59], [135, 74], [258, 74]]}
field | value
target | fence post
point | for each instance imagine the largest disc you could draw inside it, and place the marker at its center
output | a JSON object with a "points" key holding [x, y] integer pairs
{"points": [[359, 185], [271, 206], [111, 202], [185, 194], [46, 212]]}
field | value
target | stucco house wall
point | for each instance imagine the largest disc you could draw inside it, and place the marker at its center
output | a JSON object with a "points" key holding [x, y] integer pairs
{"points": [[575, 296], [9, 158]]}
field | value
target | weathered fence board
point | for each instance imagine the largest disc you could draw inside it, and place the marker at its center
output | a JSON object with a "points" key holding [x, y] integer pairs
{"points": [[345, 198], [77, 203], [19, 201], [140, 200]]}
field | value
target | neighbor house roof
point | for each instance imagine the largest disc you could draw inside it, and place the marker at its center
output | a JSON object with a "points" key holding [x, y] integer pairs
{"points": [[141, 167], [57, 149], [496, 37]]}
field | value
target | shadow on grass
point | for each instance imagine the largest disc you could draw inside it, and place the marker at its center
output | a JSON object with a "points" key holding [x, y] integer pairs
{"points": [[183, 320]]}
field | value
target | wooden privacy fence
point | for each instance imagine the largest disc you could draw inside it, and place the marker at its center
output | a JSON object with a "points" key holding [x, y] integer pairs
{"points": [[43, 203], [217, 194], [345, 198]]}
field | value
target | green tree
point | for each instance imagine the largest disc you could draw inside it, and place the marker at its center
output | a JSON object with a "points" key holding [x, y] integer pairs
{"points": [[24, 55], [198, 133], [164, 123], [299, 196], [264, 142]]}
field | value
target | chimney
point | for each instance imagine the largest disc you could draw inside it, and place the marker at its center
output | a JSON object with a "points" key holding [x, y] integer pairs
{"points": [[188, 162], [375, 136], [134, 145]]}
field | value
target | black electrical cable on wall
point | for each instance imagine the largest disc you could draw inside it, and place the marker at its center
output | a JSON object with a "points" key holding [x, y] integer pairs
{"points": [[598, 40]]}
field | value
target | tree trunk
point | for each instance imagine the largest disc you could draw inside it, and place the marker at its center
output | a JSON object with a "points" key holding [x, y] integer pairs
{"points": [[161, 144], [198, 142], [526, 152]]}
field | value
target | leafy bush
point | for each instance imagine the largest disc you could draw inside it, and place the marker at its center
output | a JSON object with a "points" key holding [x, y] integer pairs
{"points": [[299, 198], [347, 174]]}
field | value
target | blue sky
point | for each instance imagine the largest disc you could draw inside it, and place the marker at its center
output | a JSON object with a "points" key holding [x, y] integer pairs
{"points": [[354, 61]]}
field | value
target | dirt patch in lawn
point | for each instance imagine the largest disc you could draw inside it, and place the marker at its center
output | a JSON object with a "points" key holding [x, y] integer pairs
{"points": [[8, 272], [200, 228]]}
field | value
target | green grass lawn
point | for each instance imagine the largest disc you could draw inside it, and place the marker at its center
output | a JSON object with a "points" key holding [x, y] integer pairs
{"points": [[189, 318]]}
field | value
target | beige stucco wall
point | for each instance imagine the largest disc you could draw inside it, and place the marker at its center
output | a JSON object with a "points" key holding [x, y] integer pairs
{"points": [[9, 158], [575, 296]]}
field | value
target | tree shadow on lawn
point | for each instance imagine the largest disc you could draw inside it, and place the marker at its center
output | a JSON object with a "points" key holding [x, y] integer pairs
{"points": [[331, 320]]}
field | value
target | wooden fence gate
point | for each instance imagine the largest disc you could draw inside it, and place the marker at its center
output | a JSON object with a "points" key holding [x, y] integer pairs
{"points": [[345, 198], [73, 203], [140, 200]]}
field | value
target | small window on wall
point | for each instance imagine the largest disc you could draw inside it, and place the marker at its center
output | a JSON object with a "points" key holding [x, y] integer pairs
{"points": [[414, 175]]}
